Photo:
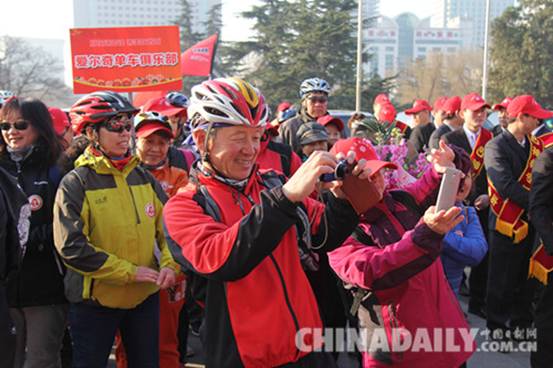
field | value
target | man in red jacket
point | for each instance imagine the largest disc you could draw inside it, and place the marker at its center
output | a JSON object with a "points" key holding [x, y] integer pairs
{"points": [[243, 230]]}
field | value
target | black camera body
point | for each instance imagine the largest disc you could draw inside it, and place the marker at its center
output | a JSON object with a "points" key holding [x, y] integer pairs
{"points": [[340, 172]]}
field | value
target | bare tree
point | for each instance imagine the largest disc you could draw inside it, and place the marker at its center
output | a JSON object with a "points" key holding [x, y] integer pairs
{"points": [[441, 74], [31, 72]]}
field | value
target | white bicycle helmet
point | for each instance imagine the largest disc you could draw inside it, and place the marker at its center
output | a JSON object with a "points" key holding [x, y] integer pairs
{"points": [[227, 101], [314, 85]]}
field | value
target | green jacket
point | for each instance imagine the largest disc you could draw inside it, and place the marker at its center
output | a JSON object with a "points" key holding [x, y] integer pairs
{"points": [[106, 223]]}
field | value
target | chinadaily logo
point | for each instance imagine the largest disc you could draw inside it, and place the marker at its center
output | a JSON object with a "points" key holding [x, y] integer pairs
{"points": [[400, 340]]}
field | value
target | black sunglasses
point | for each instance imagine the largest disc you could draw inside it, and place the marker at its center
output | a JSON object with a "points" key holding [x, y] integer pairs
{"points": [[19, 125], [118, 124], [320, 99]]}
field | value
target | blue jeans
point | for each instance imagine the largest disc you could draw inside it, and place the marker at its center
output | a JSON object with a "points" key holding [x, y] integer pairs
{"points": [[93, 330]]}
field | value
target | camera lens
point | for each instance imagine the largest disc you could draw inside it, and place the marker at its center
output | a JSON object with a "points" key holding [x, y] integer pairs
{"points": [[341, 169]]}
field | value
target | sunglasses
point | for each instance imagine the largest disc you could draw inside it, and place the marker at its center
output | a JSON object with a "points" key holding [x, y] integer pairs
{"points": [[19, 125], [118, 124], [320, 99]]}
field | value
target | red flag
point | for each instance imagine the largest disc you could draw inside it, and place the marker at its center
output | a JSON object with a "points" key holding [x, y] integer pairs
{"points": [[198, 60]]}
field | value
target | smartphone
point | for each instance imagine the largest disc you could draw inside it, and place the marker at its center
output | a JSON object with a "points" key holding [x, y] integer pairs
{"points": [[361, 193], [449, 188]]}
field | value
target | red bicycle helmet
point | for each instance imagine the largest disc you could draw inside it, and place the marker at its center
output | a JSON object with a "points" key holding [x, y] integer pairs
{"points": [[97, 107]]}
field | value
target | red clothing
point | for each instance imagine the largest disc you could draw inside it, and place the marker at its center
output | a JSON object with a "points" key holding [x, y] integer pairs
{"points": [[171, 178], [245, 243], [278, 157]]}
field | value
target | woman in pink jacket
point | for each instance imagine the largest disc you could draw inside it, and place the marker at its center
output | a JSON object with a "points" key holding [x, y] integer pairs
{"points": [[409, 317]]}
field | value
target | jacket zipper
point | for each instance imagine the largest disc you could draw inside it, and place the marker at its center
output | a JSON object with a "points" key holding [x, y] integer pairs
{"points": [[275, 264], [134, 205]]}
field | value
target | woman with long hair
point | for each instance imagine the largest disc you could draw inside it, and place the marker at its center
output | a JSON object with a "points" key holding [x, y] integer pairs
{"points": [[35, 292]]}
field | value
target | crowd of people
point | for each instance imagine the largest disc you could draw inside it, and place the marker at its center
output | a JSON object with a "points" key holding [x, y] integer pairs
{"points": [[130, 227]]}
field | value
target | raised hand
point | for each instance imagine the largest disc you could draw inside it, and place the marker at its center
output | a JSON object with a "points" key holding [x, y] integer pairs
{"points": [[442, 158]]}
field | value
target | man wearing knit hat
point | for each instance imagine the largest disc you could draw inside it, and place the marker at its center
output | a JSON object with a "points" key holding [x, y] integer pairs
{"points": [[509, 159], [312, 137]]}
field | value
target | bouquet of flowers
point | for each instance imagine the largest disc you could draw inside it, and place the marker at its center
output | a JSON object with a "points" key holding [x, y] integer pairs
{"points": [[391, 146]]}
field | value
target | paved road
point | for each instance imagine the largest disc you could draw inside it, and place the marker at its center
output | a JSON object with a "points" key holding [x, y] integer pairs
{"points": [[478, 360]]}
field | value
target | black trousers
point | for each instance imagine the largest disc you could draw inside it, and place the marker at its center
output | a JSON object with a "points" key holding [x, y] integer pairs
{"points": [[313, 360], [7, 336], [510, 292], [543, 357], [478, 278]]}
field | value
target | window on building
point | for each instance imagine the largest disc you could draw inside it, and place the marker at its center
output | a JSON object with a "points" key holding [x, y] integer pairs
{"points": [[436, 49], [389, 61], [390, 48], [451, 50], [421, 49]]}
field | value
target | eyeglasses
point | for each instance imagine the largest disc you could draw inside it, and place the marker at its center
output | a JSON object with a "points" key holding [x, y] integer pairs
{"points": [[118, 124], [320, 99], [19, 125]]}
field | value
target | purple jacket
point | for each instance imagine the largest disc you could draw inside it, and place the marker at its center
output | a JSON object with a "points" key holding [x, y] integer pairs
{"points": [[404, 272]]}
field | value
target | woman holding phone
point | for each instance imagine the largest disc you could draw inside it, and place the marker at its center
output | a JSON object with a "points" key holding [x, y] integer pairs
{"points": [[394, 255]]}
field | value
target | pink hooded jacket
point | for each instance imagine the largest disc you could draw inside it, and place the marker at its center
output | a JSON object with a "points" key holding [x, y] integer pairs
{"points": [[410, 292]]}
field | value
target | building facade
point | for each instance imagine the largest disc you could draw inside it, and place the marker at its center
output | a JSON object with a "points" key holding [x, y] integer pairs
{"points": [[469, 16], [123, 13], [393, 43]]}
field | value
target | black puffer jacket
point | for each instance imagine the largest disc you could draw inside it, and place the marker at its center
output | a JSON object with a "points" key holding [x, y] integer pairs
{"points": [[39, 281]]}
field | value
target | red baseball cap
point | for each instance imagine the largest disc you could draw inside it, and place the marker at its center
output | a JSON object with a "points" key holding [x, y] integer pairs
{"points": [[526, 104], [387, 113], [452, 105], [503, 105], [150, 127], [329, 119], [363, 150], [381, 99], [418, 106], [59, 119], [161, 105], [439, 103], [473, 101], [284, 105]]}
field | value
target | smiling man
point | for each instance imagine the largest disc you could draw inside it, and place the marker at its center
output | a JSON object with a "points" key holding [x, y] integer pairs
{"points": [[241, 229]]}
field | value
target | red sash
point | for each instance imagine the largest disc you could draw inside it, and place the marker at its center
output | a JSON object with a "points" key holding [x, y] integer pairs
{"points": [[541, 264], [509, 222], [547, 140], [477, 155]]}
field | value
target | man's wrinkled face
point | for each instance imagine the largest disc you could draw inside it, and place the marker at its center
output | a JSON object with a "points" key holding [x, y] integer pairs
{"points": [[233, 150], [316, 104]]}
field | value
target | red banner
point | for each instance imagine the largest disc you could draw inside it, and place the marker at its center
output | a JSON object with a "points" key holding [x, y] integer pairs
{"points": [[198, 60], [125, 59]]}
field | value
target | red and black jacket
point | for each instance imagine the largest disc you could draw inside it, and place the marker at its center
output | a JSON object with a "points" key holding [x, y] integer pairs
{"points": [[246, 244]]}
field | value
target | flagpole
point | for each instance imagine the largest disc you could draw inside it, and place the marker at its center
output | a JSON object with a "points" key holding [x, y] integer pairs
{"points": [[359, 55], [485, 66]]}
